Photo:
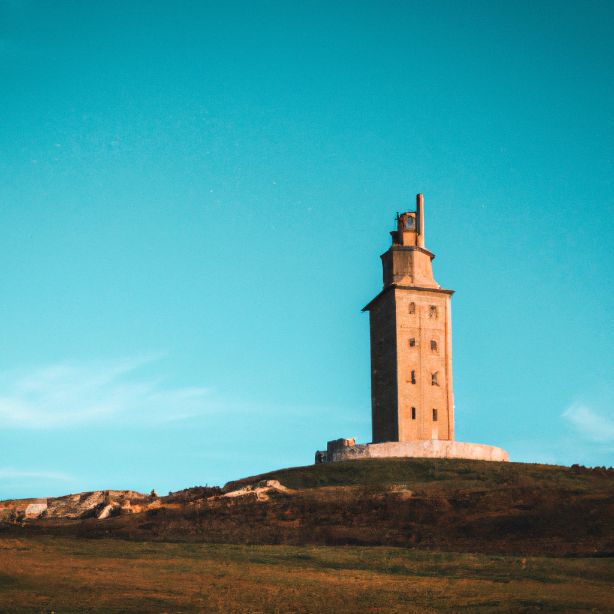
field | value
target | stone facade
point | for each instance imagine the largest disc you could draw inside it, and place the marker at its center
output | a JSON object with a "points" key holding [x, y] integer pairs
{"points": [[417, 449], [411, 342]]}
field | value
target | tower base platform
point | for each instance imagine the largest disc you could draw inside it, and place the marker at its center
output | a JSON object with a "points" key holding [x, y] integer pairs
{"points": [[348, 449]]}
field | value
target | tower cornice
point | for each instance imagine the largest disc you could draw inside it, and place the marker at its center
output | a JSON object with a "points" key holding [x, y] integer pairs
{"points": [[368, 306], [409, 248]]}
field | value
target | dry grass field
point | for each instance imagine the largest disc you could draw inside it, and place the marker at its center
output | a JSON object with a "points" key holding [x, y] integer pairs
{"points": [[67, 575]]}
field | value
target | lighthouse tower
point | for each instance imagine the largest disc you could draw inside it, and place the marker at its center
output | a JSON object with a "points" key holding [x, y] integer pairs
{"points": [[411, 342], [412, 404]]}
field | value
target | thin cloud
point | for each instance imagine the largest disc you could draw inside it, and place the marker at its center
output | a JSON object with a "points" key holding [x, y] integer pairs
{"points": [[590, 424], [587, 438], [67, 393], [10, 473]]}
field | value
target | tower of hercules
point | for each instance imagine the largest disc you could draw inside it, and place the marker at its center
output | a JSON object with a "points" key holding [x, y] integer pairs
{"points": [[411, 342], [412, 405]]}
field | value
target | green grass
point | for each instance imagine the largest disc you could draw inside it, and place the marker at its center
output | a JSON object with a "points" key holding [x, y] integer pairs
{"points": [[451, 473], [70, 575]]}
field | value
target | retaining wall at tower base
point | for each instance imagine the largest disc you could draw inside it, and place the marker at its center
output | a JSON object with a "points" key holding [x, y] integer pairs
{"points": [[435, 448]]}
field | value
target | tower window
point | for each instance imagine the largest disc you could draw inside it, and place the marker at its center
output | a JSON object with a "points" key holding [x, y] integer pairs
{"points": [[433, 311], [435, 379], [412, 308], [433, 345], [413, 413], [434, 415], [412, 343], [413, 377]]}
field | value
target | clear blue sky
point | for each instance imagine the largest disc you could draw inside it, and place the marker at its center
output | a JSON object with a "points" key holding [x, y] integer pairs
{"points": [[194, 197]]}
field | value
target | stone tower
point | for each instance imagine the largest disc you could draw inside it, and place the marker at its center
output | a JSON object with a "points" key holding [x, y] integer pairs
{"points": [[411, 342]]}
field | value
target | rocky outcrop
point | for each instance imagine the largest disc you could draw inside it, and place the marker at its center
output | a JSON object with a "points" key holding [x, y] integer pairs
{"points": [[103, 504], [35, 510], [96, 504], [261, 491]]}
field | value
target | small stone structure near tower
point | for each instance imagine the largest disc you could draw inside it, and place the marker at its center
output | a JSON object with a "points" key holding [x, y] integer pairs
{"points": [[412, 402]]}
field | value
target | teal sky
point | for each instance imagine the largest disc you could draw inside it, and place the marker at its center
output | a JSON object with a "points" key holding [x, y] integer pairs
{"points": [[194, 197]]}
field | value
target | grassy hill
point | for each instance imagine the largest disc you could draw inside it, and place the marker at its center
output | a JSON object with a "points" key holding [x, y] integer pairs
{"points": [[454, 505], [441, 473]]}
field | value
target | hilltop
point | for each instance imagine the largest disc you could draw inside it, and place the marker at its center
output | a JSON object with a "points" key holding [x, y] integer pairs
{"points": [[439, 504]]}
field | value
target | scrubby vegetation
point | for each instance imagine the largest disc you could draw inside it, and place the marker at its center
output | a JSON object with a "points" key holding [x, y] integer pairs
{"points": [[452, 505], [192, 494]]}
